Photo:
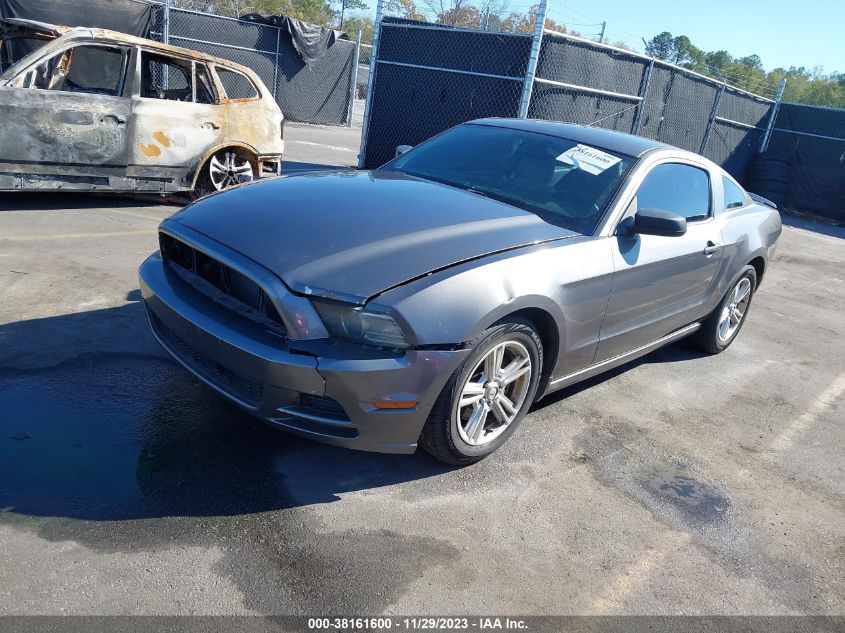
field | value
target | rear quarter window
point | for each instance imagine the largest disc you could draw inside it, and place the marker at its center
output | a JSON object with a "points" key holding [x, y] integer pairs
{"points": [[734, 195], [237, 85]]}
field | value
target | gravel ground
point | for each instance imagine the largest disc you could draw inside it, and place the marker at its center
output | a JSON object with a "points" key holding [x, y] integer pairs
{"points": [[680, 483]]}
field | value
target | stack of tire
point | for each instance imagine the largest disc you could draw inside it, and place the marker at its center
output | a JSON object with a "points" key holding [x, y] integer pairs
{"points": [[767, 175]]}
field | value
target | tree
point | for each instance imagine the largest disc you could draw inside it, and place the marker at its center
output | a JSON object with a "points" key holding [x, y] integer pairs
{"points": [[803, 85], [404, 9], [525, 22], [347, 5], [660, 46], [364, 24]]}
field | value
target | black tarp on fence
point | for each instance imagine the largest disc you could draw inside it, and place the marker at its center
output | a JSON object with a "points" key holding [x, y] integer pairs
{"points": [[316, 92], [126, 16], [812, 139]]}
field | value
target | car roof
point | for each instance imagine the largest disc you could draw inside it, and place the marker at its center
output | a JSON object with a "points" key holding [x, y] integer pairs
{"points": [[612, 140]]}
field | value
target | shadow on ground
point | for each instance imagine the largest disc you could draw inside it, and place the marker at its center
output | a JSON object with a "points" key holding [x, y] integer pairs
{"points": [[64, 200], [104, 433]]}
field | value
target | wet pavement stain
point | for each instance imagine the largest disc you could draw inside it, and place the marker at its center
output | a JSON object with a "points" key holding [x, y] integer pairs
{"points": [[128, 452], [699, 501]]}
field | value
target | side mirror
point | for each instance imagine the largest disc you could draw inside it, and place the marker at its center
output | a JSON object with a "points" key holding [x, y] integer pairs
{"points": [[656, 222], [403, 149]]}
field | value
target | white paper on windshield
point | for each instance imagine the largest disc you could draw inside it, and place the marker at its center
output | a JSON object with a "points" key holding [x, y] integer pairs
{"points": [[589, 159]]}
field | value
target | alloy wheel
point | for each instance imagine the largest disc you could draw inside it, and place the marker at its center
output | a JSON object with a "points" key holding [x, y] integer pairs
{"points": [[734, 310], [227, 168], [494, 393]]}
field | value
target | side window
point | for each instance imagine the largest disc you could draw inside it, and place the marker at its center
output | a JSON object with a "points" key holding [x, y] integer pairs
{"points": [[236, 85], [205, 91], [86, 69], [166, 78], [734, 196], [676, 188]]}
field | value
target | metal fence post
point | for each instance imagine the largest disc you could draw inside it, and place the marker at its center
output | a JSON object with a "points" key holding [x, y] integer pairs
{"points": [[370, 83], [764, 145], [353, 83], [712, 120], [533, 59], [166, 23], [276, 65], [638, 118]]}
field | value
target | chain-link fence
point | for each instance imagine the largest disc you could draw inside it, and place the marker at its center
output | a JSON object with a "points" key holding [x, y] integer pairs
{"points": [[811, 141], [430, 77], [320, 92]]}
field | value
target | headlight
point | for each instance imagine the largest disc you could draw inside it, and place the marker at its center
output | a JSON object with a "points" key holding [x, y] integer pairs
{"points": [[360, 326]]}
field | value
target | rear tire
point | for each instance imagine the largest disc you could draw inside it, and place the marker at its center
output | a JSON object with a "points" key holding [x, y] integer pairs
{"points": [[722, 326], [226, 168], [475, 414]]}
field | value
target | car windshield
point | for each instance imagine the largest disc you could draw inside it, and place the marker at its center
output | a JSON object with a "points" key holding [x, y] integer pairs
{"points": [[563, 181]]}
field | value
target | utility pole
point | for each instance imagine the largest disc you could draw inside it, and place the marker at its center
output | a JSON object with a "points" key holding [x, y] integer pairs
{"points": [[603, 27]]}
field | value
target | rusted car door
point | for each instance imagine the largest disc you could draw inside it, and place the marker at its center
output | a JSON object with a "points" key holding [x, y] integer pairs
{"points": [[65, 119], [175, 120]]}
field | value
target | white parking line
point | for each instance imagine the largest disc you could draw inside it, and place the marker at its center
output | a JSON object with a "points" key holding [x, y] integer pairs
{"points": [[827, 399], [334, 148]]}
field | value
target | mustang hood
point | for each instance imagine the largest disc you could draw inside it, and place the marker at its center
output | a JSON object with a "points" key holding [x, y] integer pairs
{"points": [[351, 235]]}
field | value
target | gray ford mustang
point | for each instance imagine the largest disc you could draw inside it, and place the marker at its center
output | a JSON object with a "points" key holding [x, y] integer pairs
{"points": [[430, 302]]}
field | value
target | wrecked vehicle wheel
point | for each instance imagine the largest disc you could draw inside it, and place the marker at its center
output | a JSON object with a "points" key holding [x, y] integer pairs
{"points": [[223, 170], [226, 168]]}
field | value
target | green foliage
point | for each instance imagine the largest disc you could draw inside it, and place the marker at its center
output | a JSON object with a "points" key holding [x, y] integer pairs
{"points": [[802, 85]]}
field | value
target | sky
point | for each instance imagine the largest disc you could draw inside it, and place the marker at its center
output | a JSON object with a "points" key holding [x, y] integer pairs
{"points": [[809, 33]]}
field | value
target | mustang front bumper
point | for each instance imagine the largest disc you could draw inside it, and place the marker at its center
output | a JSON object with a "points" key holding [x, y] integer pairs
{"points": [[326, 398]]}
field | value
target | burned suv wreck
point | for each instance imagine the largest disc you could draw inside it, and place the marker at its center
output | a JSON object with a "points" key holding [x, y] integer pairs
{"points": [[91, 109]]}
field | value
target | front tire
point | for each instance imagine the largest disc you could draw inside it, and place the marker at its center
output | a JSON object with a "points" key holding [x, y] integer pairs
{"points": [[722, 326], [488, 395]]}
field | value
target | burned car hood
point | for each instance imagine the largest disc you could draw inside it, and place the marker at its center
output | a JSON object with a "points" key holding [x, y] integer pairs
{"points": [[351, 235]]}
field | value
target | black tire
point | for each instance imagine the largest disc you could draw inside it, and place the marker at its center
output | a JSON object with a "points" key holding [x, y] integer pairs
{"points": [[707, 338], [774, 157], [203, 186], [767, 170], [772, 186], [440, 436]]}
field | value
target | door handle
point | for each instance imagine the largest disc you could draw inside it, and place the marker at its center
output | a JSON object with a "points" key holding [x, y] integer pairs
{"points": [[210, 125], [712, 248], [113, 119]]}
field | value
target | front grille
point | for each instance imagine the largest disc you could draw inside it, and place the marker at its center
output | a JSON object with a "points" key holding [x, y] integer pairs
{"points": [[189, 260], [248, 391]]}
